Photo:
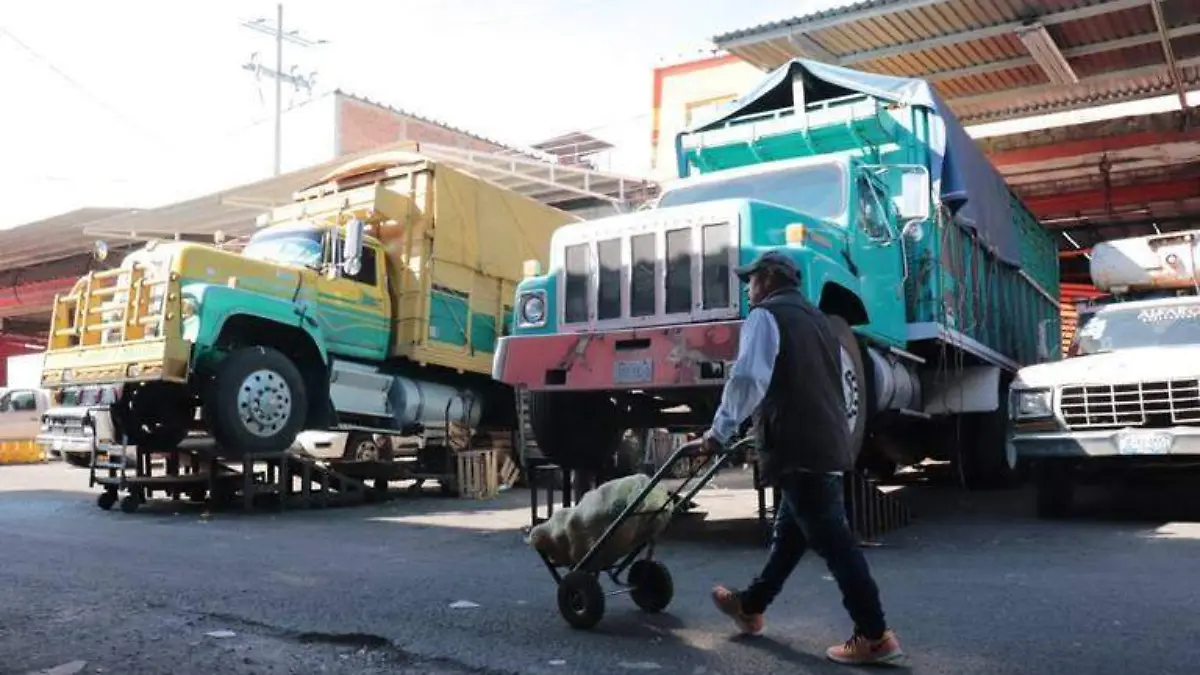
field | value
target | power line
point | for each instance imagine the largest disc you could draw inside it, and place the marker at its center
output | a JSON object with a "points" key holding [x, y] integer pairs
{"points": [[296, 80], [116, 112]]}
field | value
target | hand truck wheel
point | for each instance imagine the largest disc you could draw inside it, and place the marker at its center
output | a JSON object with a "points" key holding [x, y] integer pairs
{"points": [[107, 499], [652, 587], [130, 503], [581, 600]]}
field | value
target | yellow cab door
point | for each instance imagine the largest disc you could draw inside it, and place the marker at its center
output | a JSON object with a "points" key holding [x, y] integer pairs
{"points": [[354, 310]]}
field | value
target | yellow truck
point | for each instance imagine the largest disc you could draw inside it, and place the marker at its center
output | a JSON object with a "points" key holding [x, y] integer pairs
{"points": [[371, 304]]}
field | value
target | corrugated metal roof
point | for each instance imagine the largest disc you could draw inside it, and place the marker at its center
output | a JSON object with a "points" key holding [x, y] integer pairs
{"points": [[51, 238], [970, 49]]}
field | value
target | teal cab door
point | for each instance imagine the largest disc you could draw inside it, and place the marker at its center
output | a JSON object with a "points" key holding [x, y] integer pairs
{"points": [[354, 310], [879, 258]]}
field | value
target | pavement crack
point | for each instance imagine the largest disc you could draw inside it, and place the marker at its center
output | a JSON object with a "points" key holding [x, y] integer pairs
{"points": [[359, 641]]}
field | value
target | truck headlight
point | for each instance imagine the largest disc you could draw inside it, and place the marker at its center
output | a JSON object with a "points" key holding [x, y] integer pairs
{"points": [[531, 311], [1033, 403]]}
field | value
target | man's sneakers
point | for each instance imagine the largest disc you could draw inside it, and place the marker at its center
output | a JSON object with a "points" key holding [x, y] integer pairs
{"points": [[728, 602], [861, 651]]}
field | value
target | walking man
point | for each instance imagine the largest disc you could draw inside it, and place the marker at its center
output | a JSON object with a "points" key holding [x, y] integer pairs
{"points": [[788, 371]]}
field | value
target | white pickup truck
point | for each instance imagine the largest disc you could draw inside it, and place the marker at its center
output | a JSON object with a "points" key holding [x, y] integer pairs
{"points": [[1127, 395]]}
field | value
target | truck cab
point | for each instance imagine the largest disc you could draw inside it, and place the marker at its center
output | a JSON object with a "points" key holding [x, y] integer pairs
{"points": [[1127, 395]]}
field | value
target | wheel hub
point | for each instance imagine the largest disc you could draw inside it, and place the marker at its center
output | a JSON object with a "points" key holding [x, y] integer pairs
{"points": [[366, 451], [850, 388], [264, 403]]}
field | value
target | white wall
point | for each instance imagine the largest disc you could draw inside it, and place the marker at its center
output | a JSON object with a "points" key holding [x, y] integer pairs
{"points": [[24, 371]]}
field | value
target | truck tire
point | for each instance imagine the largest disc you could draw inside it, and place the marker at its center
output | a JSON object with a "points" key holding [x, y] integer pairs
{"points": [[256, 402], [989, 461], [854, 382], [575, 430], [366, 447]]}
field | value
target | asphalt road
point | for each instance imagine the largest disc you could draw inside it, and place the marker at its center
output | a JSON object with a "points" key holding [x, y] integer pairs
{"points": [[433, 585]]}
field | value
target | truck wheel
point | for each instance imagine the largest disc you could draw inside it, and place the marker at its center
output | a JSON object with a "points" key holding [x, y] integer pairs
{"points": [[1055, 489], [256, 402], [854, 382], [989, 459], [364, 447], [576, 430]]}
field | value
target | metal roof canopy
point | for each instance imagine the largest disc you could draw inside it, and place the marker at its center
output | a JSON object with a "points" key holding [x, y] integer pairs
{"points": [[995, 59], [573, 146], [51, 238]]}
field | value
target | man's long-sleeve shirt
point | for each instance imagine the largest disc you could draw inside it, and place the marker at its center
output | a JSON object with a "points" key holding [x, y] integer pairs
{"points": [[758, 346]]}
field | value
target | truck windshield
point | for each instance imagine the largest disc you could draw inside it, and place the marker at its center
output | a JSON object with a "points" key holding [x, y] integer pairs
{"points": [[1113, 328], [289, 247], [818, 190]]}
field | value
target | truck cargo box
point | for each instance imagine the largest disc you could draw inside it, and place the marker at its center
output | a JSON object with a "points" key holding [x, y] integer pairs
{"points": [[984, 267]]}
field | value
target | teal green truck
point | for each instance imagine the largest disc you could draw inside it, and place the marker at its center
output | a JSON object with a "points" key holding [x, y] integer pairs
{"points": [[939, 282]]}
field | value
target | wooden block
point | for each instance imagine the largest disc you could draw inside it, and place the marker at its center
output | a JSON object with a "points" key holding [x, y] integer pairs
{"points": [[509, 472]]}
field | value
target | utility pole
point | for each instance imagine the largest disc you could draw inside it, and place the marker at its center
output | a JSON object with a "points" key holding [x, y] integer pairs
{"points": [[297, 81]]}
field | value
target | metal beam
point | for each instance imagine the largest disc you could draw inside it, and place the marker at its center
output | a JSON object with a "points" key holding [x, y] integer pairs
{"points": [[997, 30], [1044, 88], [832, 19], [1169, 52], [809, 48], [1090, 146], [1097, 200], [1070, 53]]}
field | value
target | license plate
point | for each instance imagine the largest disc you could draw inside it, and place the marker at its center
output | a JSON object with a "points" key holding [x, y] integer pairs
{"points": [[633, 372], [1143, 443]]}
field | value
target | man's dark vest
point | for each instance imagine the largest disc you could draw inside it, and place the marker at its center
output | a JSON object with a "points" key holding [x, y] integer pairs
{"points": [[801, 423]]}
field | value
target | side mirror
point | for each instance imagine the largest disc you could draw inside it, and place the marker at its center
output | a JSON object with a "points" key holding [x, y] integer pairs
{"points": [[914, 195], [352, 253], [100, 250]]}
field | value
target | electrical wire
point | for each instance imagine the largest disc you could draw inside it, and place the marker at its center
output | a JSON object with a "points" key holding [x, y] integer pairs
{"points": [[140, 127]]}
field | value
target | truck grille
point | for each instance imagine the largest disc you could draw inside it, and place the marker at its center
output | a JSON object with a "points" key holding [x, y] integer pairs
{"points": [[1141, 404], [659, 273]]}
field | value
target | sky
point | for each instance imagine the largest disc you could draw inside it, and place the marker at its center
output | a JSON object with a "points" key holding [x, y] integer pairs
{"points": [[128, 102], [123, 102]]}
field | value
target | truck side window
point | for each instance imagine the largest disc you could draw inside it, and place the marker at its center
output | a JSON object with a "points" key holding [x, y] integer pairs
{"points": [[871, 217], [368, 274], [4, 401], [22, 401]]}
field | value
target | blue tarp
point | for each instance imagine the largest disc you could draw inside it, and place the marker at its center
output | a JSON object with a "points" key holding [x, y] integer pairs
{"points": [[968, 183]]}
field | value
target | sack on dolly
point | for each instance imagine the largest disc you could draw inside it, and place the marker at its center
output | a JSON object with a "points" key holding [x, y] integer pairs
{"points": [[571, 532]]}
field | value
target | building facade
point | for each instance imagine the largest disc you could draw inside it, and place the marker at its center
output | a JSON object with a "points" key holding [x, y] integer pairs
{"points": [[689, 90]]}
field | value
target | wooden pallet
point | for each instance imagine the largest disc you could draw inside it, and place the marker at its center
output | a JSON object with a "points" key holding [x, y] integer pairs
{"points": [[478, 474]]}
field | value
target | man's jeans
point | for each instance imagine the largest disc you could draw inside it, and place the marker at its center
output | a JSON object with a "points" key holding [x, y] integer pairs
{"points": [[811, 514]]}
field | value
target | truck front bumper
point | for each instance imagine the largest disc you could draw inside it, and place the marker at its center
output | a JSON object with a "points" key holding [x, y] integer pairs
{"points": [[693, 355], [1128, 442], [141, 361]]}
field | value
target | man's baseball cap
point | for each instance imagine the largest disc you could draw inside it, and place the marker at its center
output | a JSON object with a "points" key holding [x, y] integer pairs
{"points": [[769, 261]]}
